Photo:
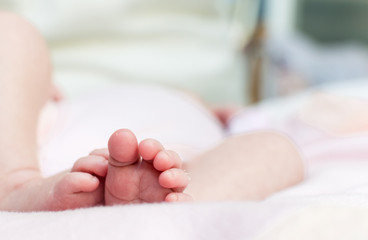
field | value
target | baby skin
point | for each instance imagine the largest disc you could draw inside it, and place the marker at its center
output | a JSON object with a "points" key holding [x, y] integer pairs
{"points": [[126, 172]]}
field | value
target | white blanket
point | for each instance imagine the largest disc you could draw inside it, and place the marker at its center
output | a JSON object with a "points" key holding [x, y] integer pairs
{"points": [[285, 219]]}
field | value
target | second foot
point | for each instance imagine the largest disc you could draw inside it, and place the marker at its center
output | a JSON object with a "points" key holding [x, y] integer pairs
{"points": [[143, 173], [82, 186]]}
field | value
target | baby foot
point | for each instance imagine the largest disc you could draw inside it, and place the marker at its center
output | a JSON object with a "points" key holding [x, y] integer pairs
{"points": [[143, 173], [83, 186], [26, 190]]}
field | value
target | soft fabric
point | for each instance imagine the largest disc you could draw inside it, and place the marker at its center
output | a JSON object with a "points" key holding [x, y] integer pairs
{"points": [[322, 221], [72, 129], [294, 218], [193, 45]]}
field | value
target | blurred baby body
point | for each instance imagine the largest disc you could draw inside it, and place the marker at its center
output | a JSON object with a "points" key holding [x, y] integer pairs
{"points": [[71, 129], [323, 124]]}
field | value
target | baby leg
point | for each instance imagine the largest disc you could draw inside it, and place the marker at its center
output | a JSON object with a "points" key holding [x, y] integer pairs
{"points": [[245, 167], [25, 84]]}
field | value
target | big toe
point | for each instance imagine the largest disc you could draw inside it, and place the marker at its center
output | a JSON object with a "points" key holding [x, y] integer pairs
{"points": [[123, 148]]}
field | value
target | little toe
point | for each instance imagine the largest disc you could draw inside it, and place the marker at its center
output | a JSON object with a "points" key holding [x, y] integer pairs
{"points": [[174, 178], [149, 148], [123, 148], [167, 159], [92, 164], [178, 197]]}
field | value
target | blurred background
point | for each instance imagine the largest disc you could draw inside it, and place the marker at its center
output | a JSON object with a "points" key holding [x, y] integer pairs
{"points": [[225, 51], [313, 42]]}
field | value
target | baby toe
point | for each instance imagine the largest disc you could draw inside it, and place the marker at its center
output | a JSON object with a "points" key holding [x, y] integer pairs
{"points": [[92, 164], [103, 152], [123, 148], [178, 197], [167, 159], [77, 182], [174, 178], [149, 148]]}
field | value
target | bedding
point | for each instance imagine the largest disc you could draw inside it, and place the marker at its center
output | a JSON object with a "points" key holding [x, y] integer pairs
{"points": [[331, 203], [193, 45], [174, 118], [276, 219]]}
